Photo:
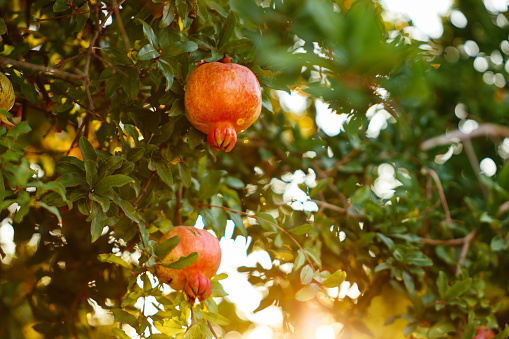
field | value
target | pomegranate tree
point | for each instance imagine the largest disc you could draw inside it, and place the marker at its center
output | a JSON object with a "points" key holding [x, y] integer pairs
{"points": [[194, 279], [222, 99]]}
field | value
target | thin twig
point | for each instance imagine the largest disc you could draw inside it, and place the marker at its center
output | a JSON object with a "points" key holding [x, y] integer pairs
{"points": [[212, 330], [344, 160], [474, 162], [39, 68], [78, 133], [489, 130], [115, 68], [441, 193], [84, 107], [449, 242], [464, 251], [68, 15], [121, 25], [264, 220], [336, 208], [144, 189]]}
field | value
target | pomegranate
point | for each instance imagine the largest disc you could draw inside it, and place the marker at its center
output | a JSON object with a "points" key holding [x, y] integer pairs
{"points": [[195, 278], [484, 332], [222, 99], [6, 93]]}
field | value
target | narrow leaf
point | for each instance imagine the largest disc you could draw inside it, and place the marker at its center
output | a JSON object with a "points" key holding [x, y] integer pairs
{"points": [[335, 279], [307, 292], [115, 180], [87, 150], [183, 262], [112, 258], [149, 33], [227, 30], [302, 229]]}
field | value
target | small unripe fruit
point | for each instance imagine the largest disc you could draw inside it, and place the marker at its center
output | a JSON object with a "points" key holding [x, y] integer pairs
{"points": [[7, 97], [222, 99], [194, 279]]}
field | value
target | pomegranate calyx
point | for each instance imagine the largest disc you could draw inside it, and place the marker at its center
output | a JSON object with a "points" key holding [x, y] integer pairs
{"points": [[199, 287], [222, 136]]}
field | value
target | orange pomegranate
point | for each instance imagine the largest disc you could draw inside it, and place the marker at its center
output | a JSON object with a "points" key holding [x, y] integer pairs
{"points": [[222, 99], [194, 279]]}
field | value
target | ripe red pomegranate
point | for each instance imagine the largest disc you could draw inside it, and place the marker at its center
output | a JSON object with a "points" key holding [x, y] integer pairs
{"points": [[195, 278], [222, 99], [484, 332]]}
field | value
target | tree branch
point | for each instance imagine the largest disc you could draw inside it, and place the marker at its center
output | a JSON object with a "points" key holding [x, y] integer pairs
{"points": [[488, 130], [441, 193], [264, 220], [450, 242], [39, 68]]}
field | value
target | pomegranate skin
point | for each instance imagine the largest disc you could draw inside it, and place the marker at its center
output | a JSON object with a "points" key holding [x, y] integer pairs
{"points": [[195, 278], [222, 99]]}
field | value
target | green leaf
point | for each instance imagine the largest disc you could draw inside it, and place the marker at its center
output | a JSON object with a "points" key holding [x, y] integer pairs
{"points": [[144, 235], [168, 14], [185, 174], [182, 262], [51, 209], [216, 318], [82, 19], [149, 34], [120, 333], [235, 183], [182, 10], [209, 183], [91, 172], [132, 85], [441, 329], [129, 210], [458, 289], [124, 317], [104, 202], [71, 179], [196, 332], [306, 275], [217, 289], [335, 279], [504, 334], [98, 221], [266, 225], [302, 229], [442, 283], [3, 27], [239, 222], [166, 246], [112, 258], [386, 240], [176, 108], [307, 292], [87, 150], [115, 180], [147, 52], [169, 327], [60, 6], [167, 71], [164, 173], [498, 243], [238, 46], [299, 260], [19, 129], [227, 30]]}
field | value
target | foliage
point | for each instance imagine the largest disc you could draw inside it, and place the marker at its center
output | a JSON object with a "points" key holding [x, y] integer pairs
{"points": [[102, 162]]}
